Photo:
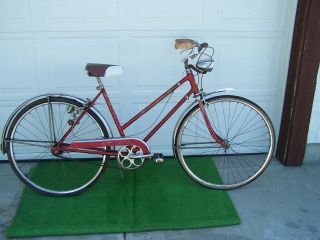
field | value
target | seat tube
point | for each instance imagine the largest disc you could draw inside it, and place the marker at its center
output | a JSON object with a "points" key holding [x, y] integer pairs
{"points": [[113, 113]]}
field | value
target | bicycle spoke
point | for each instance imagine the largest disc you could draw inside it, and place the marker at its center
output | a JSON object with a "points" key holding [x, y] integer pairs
{"points": [[199, 136], [36, 128], [30, 142], [202, 130], [39, 120]]}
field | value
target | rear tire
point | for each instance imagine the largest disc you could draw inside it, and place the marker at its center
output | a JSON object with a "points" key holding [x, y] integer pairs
{"points": [[243, 125], [30, 141]]}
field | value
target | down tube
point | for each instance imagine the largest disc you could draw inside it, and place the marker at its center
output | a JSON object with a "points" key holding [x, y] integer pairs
{"points": [[172, 111]]}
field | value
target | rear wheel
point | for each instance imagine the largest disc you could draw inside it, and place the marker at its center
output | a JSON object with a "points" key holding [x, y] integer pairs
{"points": [[40, 125], [239, 122]]}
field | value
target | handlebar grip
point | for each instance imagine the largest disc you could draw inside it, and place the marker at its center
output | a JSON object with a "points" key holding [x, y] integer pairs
{"points": [[184, 40], [184, 43]]}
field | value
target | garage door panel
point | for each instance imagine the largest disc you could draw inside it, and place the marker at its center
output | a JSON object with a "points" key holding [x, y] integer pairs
{"points": [[252, 62], [258, 10], [58, 15], [17, 68], [14, 9], [14, 13], [167, 12], [158, 63], [96, 12], [70, 55], [89, 9], [246, 15]]}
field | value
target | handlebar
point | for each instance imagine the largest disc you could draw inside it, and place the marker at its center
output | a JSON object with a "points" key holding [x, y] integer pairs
{"points": [[195, 49]]}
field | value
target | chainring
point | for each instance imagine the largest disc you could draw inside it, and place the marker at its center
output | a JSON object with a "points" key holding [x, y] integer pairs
{"points": [[124, 159]]}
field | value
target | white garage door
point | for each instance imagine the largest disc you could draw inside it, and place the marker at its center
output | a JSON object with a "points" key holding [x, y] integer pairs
{"points": [[44, 46]]}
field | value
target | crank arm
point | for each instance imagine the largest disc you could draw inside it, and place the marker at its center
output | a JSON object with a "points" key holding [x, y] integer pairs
{"points": [[141, 156]]}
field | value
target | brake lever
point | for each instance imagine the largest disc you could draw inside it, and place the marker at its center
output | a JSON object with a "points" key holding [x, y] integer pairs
{"points": [[202, 46]]}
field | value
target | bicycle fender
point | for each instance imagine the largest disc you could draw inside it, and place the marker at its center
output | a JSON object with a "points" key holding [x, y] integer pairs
{"points": [[192, 105], [17, 110]]}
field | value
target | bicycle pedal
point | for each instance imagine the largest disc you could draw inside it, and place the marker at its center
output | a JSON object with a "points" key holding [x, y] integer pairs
{"points": [[158, 158]]}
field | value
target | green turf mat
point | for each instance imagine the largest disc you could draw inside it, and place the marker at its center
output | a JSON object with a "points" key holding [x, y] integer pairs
{"points": [[154, 197]]}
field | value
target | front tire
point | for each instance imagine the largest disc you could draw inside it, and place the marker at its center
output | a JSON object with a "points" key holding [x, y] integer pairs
{"points": [[239, 122], [36, 128]]}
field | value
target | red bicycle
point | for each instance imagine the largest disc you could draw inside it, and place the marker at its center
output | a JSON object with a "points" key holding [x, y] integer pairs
{"points": [[55, 136]]}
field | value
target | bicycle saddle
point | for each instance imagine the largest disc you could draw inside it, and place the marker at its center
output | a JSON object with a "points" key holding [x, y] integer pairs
{"points": [[101, 70]]}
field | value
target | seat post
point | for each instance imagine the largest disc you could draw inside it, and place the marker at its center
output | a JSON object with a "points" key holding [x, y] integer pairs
{"points": [[101, 86]]}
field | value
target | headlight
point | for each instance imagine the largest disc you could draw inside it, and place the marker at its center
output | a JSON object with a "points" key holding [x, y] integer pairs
{"points": [[205, 65]]}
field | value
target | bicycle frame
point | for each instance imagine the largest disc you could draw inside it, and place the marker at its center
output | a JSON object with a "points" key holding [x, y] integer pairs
{"points": [[99, 146]]}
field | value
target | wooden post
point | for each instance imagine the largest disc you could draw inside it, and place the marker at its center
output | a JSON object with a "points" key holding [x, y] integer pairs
{"points": [[301, 83]]}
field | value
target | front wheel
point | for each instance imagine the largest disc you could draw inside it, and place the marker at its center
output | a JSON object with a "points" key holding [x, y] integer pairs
{"points": [[243, 125]]}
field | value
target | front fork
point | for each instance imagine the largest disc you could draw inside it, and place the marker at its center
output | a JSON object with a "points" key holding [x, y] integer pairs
{"points": [[213, 134]]}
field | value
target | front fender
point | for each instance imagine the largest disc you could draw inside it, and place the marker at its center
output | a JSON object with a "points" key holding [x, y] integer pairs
{"points": [[12, 116]]}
